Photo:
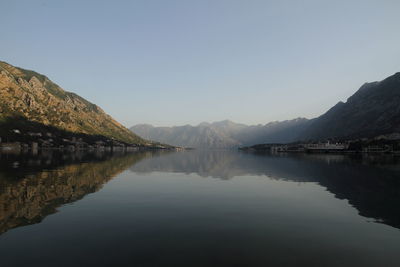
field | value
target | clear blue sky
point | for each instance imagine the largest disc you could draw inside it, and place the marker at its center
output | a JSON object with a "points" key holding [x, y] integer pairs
{"points": [[178, 62]]}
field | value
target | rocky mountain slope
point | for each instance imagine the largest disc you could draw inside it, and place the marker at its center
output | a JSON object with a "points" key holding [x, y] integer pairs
{"points": [[27, 96], [373, 110], [223, 134]]}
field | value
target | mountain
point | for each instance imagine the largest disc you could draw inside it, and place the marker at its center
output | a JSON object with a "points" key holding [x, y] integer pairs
{"points": [[201, 136], [223, 134], [274, 132], [373, 110], [31, 101]]}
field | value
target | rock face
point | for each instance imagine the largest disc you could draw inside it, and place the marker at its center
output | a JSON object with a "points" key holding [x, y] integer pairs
{"points": [[373, 110], [223, 134], [33, 96]]}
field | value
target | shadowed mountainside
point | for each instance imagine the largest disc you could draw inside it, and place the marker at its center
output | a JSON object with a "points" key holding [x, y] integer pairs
{"points": [[373, 110]]}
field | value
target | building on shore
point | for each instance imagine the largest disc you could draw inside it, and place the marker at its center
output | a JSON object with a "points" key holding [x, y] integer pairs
{"points": [[326, 147], [378, 149]]}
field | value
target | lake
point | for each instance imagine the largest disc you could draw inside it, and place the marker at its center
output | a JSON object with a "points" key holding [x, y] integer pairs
{"points": [[199, 208]]}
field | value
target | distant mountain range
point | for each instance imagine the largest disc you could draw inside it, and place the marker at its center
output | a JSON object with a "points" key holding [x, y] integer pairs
{"points": [[223, 134], [31, 103], [373, 110]]}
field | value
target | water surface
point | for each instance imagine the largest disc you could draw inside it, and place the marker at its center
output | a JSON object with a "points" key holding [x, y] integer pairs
{"points": [[198, 208]]}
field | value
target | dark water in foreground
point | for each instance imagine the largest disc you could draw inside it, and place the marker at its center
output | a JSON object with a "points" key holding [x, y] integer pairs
{"points": [[197, 208]]}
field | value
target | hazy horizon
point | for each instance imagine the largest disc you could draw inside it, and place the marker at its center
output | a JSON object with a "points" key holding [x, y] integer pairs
{"points": [[186, 62], [217, 121]]}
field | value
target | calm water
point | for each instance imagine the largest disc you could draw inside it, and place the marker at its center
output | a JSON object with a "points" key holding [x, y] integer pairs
{"points": [[198, 208]]}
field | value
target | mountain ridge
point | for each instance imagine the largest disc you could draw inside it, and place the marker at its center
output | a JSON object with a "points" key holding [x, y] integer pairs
{"points": [[374, 109], [221, 134], [34, 97]]}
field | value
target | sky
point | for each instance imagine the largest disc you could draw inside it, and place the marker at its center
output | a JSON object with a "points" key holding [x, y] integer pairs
{"points": [[175, 62]]}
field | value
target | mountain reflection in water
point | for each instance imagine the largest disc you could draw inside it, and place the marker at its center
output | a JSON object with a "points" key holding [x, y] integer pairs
{"points": [[33, 186], [371, 184], [198, 208]]}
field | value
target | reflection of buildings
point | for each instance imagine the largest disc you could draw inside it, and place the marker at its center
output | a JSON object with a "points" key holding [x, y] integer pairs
{"points": [[32, 188]]}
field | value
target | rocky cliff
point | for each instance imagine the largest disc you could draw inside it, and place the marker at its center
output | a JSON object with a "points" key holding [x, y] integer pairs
{"points": [[32, 97]]}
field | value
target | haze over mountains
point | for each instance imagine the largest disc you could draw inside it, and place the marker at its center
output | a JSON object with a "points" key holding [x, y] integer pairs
{"points": [[373, 110], [223, 134]]}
